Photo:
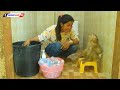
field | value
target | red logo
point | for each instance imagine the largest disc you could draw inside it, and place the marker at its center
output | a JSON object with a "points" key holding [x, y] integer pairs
{"points": [[21, 15]]}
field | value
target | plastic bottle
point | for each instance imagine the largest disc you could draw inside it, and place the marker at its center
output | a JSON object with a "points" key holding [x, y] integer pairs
{"points": [[43, 54]]}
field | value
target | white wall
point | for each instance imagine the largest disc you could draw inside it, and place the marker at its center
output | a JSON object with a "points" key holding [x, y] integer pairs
{"points": [[24, 27], [44, 20]]}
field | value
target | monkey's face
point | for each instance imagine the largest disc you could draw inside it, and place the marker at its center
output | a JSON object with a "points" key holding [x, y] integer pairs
{"points": [[93, 40]]}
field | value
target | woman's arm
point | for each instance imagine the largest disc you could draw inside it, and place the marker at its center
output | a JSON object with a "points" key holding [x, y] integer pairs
{"points": [[27, 42], [74, 38], [65, 45]]}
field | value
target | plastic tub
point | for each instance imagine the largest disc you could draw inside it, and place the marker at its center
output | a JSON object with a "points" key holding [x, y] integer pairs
{"points": [[52, 71]]}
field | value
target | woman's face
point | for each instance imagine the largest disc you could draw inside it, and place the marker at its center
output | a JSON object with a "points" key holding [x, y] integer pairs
{"points": [[66, 27]]}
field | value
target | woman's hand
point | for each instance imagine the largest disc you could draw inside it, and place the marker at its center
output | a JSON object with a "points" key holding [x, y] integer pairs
{"points": [[65, 45], [26, 43]]}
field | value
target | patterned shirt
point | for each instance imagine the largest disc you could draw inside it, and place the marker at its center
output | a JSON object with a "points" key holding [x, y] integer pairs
{"points": [[49, 34]]}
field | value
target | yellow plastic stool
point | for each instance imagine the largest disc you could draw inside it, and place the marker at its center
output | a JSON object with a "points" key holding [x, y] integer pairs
{"points": [[82, 65]]}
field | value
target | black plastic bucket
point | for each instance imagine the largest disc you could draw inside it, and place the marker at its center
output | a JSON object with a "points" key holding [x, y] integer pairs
{"points": [[26, 58]]}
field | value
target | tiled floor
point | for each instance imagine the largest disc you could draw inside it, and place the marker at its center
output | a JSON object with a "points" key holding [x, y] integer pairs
{"points": [[70, 71]]}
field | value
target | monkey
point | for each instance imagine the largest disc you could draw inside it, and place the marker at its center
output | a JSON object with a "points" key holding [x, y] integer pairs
{"points": [[93, 50]]}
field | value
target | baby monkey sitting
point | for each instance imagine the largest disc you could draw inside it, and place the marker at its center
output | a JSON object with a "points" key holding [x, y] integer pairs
{"points": [[93, 50]]}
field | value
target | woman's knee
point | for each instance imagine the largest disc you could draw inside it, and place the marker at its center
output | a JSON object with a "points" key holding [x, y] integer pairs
{"points": [[57, 45], [73, 48], [54, 49]]}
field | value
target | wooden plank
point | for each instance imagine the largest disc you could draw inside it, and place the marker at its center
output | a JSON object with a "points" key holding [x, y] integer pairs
{"points": [[7, 38]]}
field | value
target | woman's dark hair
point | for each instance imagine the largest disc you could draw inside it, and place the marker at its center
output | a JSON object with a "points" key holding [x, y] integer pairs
{"points": [[62, 19]]}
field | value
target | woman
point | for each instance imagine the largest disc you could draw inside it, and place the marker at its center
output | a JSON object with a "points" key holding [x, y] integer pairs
{"points": [[61, 36]]}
